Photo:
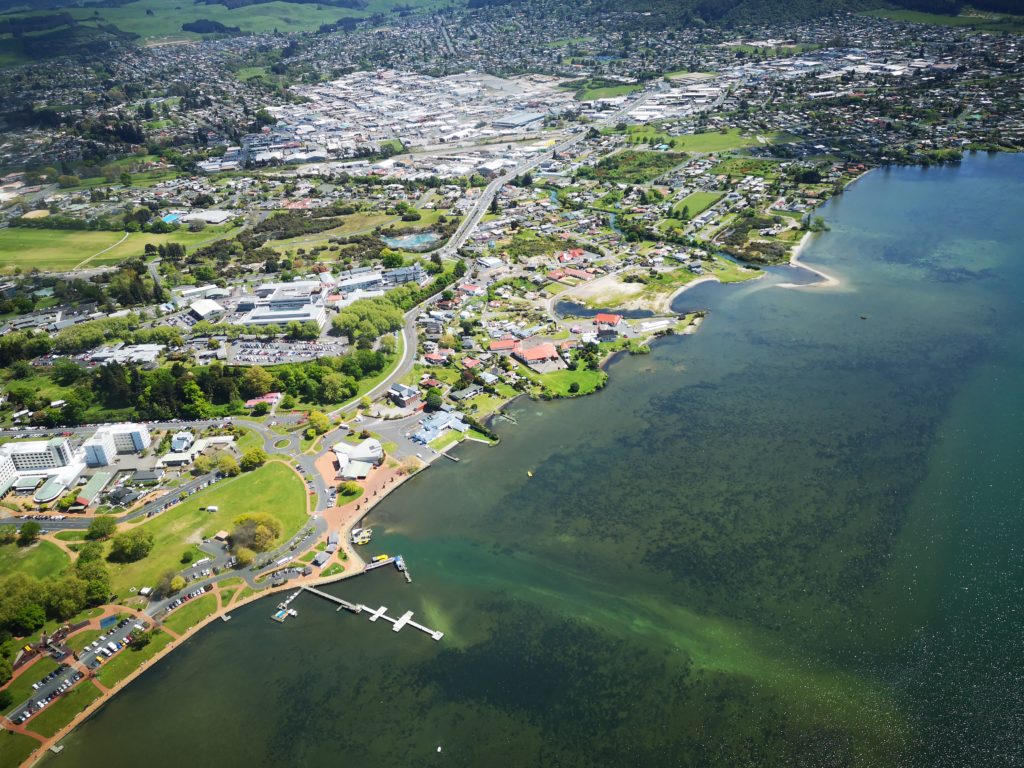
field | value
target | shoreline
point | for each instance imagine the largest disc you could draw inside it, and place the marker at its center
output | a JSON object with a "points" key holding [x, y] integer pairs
{"points": [[827, 280], [349, 519]]}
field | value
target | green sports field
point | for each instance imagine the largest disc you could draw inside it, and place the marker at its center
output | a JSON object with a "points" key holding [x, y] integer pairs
{"points": [[61, 249]]}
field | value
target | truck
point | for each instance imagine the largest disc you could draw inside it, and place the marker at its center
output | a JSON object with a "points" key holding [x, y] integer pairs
{"points": [[112, 647]]}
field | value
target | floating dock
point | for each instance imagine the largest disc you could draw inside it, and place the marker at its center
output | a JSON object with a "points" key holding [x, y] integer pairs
{"points": [[402, 621], [374, 614]]}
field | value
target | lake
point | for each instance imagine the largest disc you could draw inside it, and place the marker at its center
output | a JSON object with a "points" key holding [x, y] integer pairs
{"points": [[792, 538]]}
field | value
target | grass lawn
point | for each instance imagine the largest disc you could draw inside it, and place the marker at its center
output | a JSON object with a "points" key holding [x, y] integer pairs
{"points": [[250, 439], [40, 560], [56, 249], [62, 710], [246, 593], [990, 23], [333, 570], [559, 382], [715, 142], [126, 661], [606, 92], [79, 640], [448, 438], [191, 613], [345, 498], [273, 489], [21, 688], [696, 203], [14, 748], [70, 535], [728, 272]]}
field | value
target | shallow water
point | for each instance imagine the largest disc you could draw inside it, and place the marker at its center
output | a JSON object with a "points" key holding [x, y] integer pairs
{"points": [[790, 539]]}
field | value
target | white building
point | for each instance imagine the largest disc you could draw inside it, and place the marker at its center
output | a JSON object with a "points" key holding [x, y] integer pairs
{"points": [[182, 441], [39, 454], [8, 474], [101, 448]]}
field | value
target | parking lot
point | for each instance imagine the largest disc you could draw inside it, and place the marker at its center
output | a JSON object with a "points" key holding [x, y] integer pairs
{"points": [[65, 677], [272, 352]]}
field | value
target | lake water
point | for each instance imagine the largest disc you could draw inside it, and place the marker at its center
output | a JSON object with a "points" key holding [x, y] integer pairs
{"points": [[417, 240], [793, 538]]}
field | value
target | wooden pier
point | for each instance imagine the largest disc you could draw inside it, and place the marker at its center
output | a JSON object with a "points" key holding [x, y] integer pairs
{"points": [[341, 603]]}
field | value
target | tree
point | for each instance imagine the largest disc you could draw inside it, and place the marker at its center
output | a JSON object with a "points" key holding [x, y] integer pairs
{"points": [[130, 546], [349, 488], [202, 464], [177, 584], [227, 465], [256, 381], [260, 409], [338, 387], [101, 527], [8, 534], [29, 533], [141, 639], [255, 532], [574, 387], [245, 556], [318, 421], [252, 459], [434, 401]]}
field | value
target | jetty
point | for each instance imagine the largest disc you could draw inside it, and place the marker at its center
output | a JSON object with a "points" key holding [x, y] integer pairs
{"points": [[397, 624], [341, 603]]}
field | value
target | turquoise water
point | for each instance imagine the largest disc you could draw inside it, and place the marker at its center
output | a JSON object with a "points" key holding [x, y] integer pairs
{"points": [[790, 539], [417, 240]]}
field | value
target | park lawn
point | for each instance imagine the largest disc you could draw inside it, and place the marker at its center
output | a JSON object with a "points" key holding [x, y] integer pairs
{"points": [[484, 405], [21, 688], [246, 593], [273, 490], [450, 437], [79, 640], [729, 272], [345, 498], [559, 382], [41, 560], [332, 570], [428, 218], [251, 439], [15, 747], [475, 434], [70, 535], [61, 711], [136, 243], [126, 661], [191, 613], [697, 202]]}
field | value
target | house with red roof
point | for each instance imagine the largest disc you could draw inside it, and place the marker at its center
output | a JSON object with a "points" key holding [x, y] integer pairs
{"points": [[606, 318], [545, 352], [503, 345]]}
